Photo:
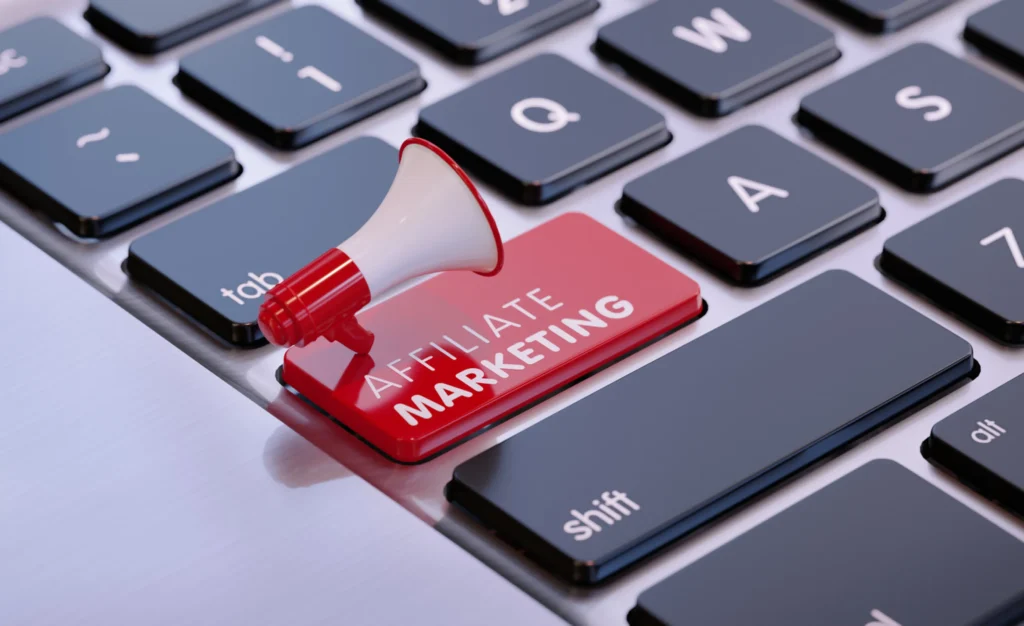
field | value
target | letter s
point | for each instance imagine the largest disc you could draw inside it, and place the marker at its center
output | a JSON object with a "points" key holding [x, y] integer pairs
{"points": [[910, 98], [576, 527], [617, 311]]}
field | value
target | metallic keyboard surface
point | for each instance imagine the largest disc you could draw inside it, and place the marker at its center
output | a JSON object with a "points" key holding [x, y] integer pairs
{"points": [[420, 489]]}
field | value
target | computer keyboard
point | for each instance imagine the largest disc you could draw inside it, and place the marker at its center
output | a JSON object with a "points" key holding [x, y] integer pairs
{"points": [[837, 198]]}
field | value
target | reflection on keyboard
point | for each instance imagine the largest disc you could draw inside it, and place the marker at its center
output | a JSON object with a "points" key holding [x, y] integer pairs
{"points": [[793, 364]]}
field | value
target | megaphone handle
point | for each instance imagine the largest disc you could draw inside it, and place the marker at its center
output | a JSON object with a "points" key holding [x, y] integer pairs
{"points": [[350, 334]]}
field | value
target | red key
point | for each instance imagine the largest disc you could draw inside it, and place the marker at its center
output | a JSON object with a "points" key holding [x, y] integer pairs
{"points": [[459, 351]]}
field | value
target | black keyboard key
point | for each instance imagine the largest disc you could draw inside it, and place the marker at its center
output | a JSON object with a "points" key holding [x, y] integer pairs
{"points": [[715, 56], [479, 30], [750, 204], [542, 128], [968, 260], [878, 547], [41, 60], [921, 117], [983, 444], [151, 26], [698, 432], [298, 77], [244, 244], [111, 160], [881, 16], [998, 31]]}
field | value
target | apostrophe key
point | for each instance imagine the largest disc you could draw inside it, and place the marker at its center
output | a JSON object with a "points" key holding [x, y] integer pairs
{"points": [[479, 30], [750, 204], [998, 31], [878, 547], [217, 264], [542, 128], [921, 117], [41, 60], [111, 160], [298, 77], [460, 351], [150, 27], [968, 259], [655, 455], [715, 56], [983, 444], [880, 16]]}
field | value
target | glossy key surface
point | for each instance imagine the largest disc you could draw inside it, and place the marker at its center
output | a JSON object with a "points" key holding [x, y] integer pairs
{"points": [[241, 246], [478, 30], [151, 26], [461, 351], [879, 16], [921, 117], [967, 258], [298, 77], [750, 204], [709, 426], [41, 60], [878, 547], [715, 56], [999, 32], [542, 128], [111, 160], [983, 445]]}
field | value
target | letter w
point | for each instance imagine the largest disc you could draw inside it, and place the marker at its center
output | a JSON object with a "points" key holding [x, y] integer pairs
{"points": [[711, 34]]}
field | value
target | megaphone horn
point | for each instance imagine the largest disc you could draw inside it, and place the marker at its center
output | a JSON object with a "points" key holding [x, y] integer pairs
{"points": [[433, 219]]}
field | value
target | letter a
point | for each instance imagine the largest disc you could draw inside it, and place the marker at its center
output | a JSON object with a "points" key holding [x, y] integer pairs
{"points": [[742, 185]]}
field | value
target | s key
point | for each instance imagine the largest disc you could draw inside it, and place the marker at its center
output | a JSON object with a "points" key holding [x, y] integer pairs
{"points": [[878, 547], [968, 260], [700, 431], [920, 117], [983, 445]]}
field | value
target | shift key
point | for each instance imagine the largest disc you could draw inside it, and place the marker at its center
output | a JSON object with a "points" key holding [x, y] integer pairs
{"points": [[684, 439]]}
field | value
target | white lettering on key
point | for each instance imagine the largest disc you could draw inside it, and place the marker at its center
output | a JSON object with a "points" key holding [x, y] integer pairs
{"points": [[881, 619], [711, 34], [558, 116], [9, 60], [508, 7], [911, 98], [128, 157], [85, 140], [987, 432], [613, 507], [274, 49], [742, 187], [1011, 242], [252, 289], [326, 81]]}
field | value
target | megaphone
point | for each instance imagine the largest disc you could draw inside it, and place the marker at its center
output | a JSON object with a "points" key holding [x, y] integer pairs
{"points": [[433, 219]]}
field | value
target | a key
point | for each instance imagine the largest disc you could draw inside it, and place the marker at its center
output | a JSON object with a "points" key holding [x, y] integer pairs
{"points": [[459, 352], [878, 547], [542, 128], [476, 31], [110, 161], [715, 56], [151, 27], [655, 455], [983, 445], [998, 31], [750, 204], [240, 247], [298, 77], [968, 260], [41, 60], [920, 117], [881, 16]]}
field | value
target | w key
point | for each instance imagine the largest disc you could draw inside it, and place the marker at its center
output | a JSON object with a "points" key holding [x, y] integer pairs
{"points": [[655, 455]]}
